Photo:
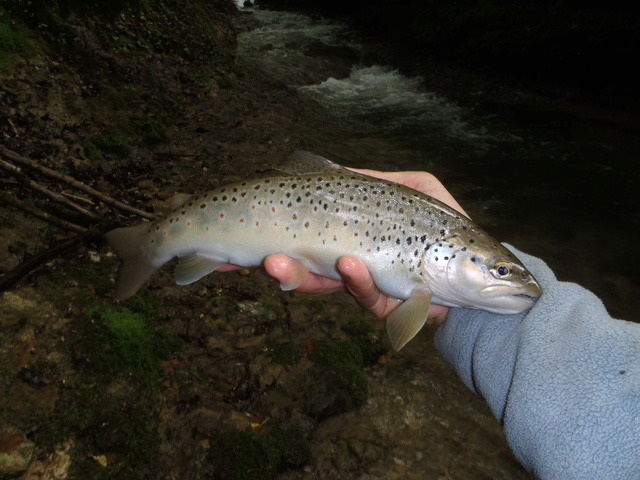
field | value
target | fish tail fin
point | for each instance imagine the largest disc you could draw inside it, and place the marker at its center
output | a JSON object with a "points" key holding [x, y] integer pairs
{"points": [[136, 267]]}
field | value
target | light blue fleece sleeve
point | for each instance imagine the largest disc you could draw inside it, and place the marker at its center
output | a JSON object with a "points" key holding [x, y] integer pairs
{"points": [[562, 378]]}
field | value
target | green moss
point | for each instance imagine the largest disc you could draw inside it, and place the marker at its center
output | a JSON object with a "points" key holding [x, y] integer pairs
{"points": [[124, 344], [113, 140], [13, 41], [223, 81], [286, 354], [346, 385], [7, 222], [121, 425], [238, 455], [154, 134], [372, 344], [293, 446]]}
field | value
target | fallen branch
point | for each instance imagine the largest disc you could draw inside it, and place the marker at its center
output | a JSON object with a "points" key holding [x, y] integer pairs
{"points": [[41, 214], [55, 196], [11, 155], [27, 266]]}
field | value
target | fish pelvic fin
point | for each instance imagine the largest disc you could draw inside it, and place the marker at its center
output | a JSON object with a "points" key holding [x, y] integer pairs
{"points": [[192, 268], [406, 321], [302, 162], [136, 267]]}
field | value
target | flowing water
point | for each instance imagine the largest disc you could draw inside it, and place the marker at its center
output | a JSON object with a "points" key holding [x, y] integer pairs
{"points": [[556, 181]]}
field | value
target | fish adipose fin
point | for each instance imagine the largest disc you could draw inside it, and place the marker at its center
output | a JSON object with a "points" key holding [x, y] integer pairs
{"points": [[136, 267], [406, 321], [192, 268], [178, 200], [302, 162]]}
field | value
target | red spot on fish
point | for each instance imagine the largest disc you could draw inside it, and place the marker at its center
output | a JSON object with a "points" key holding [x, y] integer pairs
{"points": [[242, 220], [222, 215], [188, 224], [295, 217], [273, 209]]}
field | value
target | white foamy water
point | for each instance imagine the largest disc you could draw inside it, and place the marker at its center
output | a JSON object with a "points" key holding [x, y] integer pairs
{"points": [[381, 98]]}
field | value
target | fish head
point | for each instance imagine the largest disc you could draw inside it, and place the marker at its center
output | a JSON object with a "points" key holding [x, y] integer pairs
{"points": [[484, 275]]}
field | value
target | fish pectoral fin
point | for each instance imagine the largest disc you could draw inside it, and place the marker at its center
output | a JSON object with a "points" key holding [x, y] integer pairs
{"points": [[192, 268], [406, 321], [297, 274]]}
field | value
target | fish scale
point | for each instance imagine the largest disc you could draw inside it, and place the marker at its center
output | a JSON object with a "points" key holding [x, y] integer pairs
{"points": [[415, 247]]}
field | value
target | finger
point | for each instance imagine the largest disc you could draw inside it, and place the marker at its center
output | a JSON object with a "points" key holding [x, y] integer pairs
{"points": [[361, 285], [290, 272], [437, 314]]}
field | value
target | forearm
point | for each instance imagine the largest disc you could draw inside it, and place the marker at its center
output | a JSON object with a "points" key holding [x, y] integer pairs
{"points": [[563, 378]]}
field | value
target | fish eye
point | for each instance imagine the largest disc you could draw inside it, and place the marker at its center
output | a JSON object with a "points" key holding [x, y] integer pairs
{"points": [[502, 270]]}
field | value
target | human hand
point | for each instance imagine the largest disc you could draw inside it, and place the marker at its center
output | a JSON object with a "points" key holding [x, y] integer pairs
{"points": [[357, 279]]}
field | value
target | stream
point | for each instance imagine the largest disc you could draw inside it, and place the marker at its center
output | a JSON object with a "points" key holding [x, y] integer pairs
{"points": [[557, 181]]}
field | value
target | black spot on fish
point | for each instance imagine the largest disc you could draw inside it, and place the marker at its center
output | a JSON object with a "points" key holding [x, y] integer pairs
{"points": [[203, 205], [397, 241], [281, 184], [409, 240], [473, 259], [423, 238], [224, 198]]}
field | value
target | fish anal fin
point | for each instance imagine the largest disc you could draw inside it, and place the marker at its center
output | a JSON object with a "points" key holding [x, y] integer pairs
{"points": [[192, 268], [302, 162], [406, 321]]}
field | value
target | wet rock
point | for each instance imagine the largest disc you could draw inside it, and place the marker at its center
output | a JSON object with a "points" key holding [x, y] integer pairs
{"points": [[52, 467], [16, 452]]}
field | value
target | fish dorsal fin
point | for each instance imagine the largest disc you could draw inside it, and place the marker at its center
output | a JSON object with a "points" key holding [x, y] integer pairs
{"points": [[192, 268], [178, 200], [406, 321], [302, 162]]}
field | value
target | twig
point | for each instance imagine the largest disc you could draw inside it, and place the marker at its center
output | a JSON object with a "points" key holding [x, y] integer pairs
{"points": [[17, 171], [11, 155], [58, 222], [25, 267]]}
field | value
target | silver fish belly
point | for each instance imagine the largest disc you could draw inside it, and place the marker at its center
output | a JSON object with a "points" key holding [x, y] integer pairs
{"points": [[415, 247]]}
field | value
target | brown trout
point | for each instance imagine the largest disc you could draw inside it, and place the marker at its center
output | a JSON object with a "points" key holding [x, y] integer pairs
{"points": [[415, 247]]}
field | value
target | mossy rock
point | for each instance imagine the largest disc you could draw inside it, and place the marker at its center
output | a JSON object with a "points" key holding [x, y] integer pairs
{"points": [[239, 455], [337, 383]]}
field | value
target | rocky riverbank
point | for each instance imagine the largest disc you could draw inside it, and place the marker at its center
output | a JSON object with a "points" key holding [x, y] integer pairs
{"points": [[228, 378]]}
